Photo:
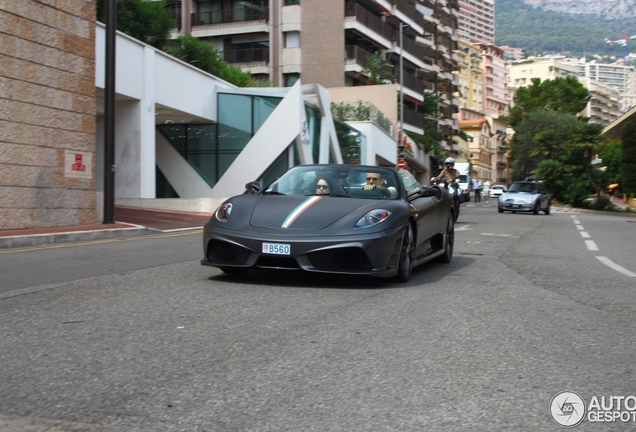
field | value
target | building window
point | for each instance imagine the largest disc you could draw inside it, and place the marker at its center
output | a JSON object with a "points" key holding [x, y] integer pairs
{"points": [[292, 39], [290, 79], [291, 2]]}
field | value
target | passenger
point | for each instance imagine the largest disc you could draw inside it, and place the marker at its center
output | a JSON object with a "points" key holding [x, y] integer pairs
{"points": [[323, 186]]}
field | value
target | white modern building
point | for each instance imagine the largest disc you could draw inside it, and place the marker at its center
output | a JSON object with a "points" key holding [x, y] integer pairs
{"points": [[183, 133]]}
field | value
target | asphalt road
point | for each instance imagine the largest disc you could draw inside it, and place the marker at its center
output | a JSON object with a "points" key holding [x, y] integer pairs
{"points": [[135, 335]]}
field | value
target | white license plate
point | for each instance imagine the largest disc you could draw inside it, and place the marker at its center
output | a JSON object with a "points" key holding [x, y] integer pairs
{"points": [[276, 249]]}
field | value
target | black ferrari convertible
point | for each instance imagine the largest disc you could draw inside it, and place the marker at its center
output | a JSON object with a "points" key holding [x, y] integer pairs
{"points": [[341, 219]]}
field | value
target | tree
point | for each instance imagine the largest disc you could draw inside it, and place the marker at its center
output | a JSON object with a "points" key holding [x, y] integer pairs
{"points": [[612, 156], [628, 161], [147, 21], [205, 57], [540, 135], [563, 95], [378, 70]]}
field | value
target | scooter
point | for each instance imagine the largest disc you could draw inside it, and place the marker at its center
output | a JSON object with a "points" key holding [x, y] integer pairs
{"points": [[455, 191]]}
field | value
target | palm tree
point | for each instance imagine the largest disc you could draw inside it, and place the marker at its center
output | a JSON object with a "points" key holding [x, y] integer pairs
{"points": [[378, 70]]}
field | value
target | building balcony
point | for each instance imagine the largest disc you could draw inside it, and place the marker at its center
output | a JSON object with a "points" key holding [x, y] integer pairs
{"points": [[428, 71], [355, 11], [405, 6], [291, 60], [355, 54], [413, 118], [411, 82], [247, 56], [230, 16], [501, 164]]}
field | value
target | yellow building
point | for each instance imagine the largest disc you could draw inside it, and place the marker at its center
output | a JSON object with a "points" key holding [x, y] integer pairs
{"points": [[470, 76]]}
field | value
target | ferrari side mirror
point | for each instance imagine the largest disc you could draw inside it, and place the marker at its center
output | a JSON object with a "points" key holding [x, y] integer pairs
{"points": [[254, 187]]}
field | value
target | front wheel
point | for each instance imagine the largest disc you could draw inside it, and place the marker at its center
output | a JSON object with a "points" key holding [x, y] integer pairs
{"points": [[407, 254], [547, 210]]}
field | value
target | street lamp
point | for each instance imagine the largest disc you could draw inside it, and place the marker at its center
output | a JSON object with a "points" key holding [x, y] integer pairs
{"points": [[402, 26]]}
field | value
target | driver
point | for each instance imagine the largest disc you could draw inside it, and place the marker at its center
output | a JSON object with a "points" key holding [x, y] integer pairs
{"points": [[376, 181], [450, 174]]}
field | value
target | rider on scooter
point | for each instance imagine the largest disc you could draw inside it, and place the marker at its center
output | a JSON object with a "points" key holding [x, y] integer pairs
{"points": [[450, 174]]}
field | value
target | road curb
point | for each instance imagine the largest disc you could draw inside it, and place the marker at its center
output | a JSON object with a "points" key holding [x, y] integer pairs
{"points": [[48, 239]]}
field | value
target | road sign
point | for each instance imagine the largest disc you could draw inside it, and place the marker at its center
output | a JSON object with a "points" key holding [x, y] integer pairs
{"points": [[401, 163]]}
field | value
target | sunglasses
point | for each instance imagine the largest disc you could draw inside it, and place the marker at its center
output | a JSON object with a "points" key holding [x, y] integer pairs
{"points": [[322, 187], [373, 178]]}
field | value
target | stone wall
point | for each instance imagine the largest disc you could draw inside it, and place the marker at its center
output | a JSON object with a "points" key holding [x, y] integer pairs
{"points": [[47, 113]]}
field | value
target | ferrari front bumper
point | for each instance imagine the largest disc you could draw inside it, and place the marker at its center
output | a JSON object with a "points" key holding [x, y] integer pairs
{"points": [[367, 253]]}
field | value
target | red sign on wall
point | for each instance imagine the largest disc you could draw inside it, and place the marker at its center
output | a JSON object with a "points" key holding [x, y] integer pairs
{"points": [[78, 164]]}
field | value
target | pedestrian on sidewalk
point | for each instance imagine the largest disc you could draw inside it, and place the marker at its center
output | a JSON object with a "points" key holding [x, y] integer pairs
{"points": [[477, 188], [485, 190]]}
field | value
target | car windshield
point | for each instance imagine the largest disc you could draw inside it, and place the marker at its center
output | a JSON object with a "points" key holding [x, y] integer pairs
{"points": [[524, 187], [339, 181]]}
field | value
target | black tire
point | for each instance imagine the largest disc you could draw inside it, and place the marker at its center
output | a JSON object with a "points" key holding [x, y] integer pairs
{"points": [[547, 210], [407, 255], [535, 210], [234, 270], [500, 210], [449, 242]]}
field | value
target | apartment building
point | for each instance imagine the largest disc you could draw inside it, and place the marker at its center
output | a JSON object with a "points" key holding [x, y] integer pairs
{"points": [[496, 95], [613, 75], [545, 68], [609, 95], [470, 76], [477, 21], [605, 104], [329, 42]]}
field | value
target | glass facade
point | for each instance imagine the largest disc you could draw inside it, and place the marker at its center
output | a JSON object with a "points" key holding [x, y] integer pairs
{"points": [[212, 148], [350, 142]]}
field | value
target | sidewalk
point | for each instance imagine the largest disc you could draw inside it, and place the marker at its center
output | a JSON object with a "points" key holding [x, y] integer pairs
{"points": [[130, 222]]}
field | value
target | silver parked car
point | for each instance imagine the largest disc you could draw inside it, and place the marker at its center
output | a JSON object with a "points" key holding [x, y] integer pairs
{"points": [[525, 196]]}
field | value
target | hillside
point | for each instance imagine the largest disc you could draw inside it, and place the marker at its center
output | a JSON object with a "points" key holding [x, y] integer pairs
{"points": [[608, 9], [518, 23]]}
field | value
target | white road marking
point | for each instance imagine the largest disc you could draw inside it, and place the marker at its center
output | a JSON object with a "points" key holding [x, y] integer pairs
{"points": [[584, 234], [462, 228], [591, 245], [611, 264], [580, 227], [577, 222]]}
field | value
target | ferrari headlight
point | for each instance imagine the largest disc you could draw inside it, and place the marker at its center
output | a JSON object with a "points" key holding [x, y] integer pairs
{"points": [[372, 218], [223, 213]]}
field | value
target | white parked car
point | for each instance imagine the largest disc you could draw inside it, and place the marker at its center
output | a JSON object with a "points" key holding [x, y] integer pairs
{"points": [[496, 191]]}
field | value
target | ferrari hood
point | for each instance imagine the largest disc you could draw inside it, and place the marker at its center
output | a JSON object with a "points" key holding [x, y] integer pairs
{"points": [[302, 212]]}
